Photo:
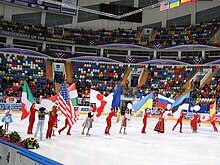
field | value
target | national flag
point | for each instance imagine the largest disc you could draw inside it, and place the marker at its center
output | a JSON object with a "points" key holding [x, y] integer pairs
{"points": [[174, 3], [116, 97], [194, 0], [63, 103], [26, 99], [73, 94], [184, 2], [164, 6], [180, 104], [212, 111], [163, 102], [146, 102], [102, 103]]}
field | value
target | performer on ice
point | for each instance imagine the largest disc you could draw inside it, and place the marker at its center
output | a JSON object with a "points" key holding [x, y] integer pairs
{"points": [[31, 118], [194, 123], [66, 124], [125, 119], [7, 119], [88, 121], [146, 115], [179, 121], [108, 120], [51, 122], [160, 124], [40, 123]]}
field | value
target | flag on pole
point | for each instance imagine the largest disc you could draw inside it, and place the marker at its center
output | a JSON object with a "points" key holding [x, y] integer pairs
{"points": [[73, 94], [174, 3], [146, 102], [212, 111], [26, 99], [164, 6], [180, 104], [116, 97], [184, 2], [64, 104], [163, 101], [103, 103]]}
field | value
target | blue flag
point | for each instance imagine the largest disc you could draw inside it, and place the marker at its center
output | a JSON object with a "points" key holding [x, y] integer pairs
{"points": [[116, 97]]}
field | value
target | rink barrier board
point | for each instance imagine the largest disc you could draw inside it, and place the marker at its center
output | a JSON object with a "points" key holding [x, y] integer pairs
{"points": [[21, 156]]}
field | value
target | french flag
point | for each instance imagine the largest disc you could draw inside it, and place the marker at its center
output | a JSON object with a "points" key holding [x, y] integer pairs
{"points": [[163, 101]]}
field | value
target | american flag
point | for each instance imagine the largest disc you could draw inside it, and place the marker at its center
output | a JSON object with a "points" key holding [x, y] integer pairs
{"points": [[164, 6], [64, 103]]}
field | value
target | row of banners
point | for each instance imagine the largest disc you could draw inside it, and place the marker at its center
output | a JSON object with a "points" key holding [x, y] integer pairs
{"points": [[169, 4], [41, 4]]}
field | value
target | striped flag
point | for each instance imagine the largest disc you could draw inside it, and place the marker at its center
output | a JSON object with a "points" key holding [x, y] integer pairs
{"points": [[164, 6], [212, 111], [174, 3], [163, 101], [26, 99], [64, 104], [180, 104], [184, 2], [146, 102], [73, 94]]}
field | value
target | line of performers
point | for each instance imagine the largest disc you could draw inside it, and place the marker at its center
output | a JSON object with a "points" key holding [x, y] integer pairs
{"points": [[52, 123], [160, 126]]}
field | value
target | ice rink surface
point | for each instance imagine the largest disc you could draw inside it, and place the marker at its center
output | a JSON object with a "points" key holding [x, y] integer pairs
{"points": [[169, 148]]}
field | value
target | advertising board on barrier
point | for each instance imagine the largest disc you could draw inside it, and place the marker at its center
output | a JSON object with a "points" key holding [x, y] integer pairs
{"points": [[48, 6]]}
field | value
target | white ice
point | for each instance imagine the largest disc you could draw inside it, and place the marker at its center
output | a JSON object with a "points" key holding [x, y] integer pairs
{"points": [[169, 148]]}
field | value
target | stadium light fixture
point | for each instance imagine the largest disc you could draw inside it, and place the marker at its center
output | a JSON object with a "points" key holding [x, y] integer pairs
{"points": [[99, 12]]}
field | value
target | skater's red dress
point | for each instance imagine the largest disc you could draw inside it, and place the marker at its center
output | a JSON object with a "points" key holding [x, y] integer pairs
{"points": [[31, 119], [144, 122], [194, 122], [160, 124], [180, 120]]}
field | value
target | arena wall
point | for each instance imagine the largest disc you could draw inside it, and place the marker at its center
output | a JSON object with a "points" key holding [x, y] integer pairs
{"points": [[149, 16]]}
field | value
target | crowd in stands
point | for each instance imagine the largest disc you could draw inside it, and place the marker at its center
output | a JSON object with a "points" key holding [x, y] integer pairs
{"points": [[102, 77], [105, 77], [207, 94], [193, 34], [14, 69], [166, 36], [166, 80]]}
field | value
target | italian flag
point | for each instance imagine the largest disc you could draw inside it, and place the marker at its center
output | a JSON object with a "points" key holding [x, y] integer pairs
{"points": [[26, 99], [73, 94]]}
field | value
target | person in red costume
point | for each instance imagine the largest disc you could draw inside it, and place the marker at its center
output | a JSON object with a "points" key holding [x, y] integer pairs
{"points": [[31, 118], [108, 120], [66, 124], [213, 125], [160, 124], [146, 115], [51, 122], [194, 122], [99, 110], [179, 120]]}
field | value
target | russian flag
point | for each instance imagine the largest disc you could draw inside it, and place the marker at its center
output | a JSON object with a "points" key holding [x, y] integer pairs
{"points": [[163, 101]]}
